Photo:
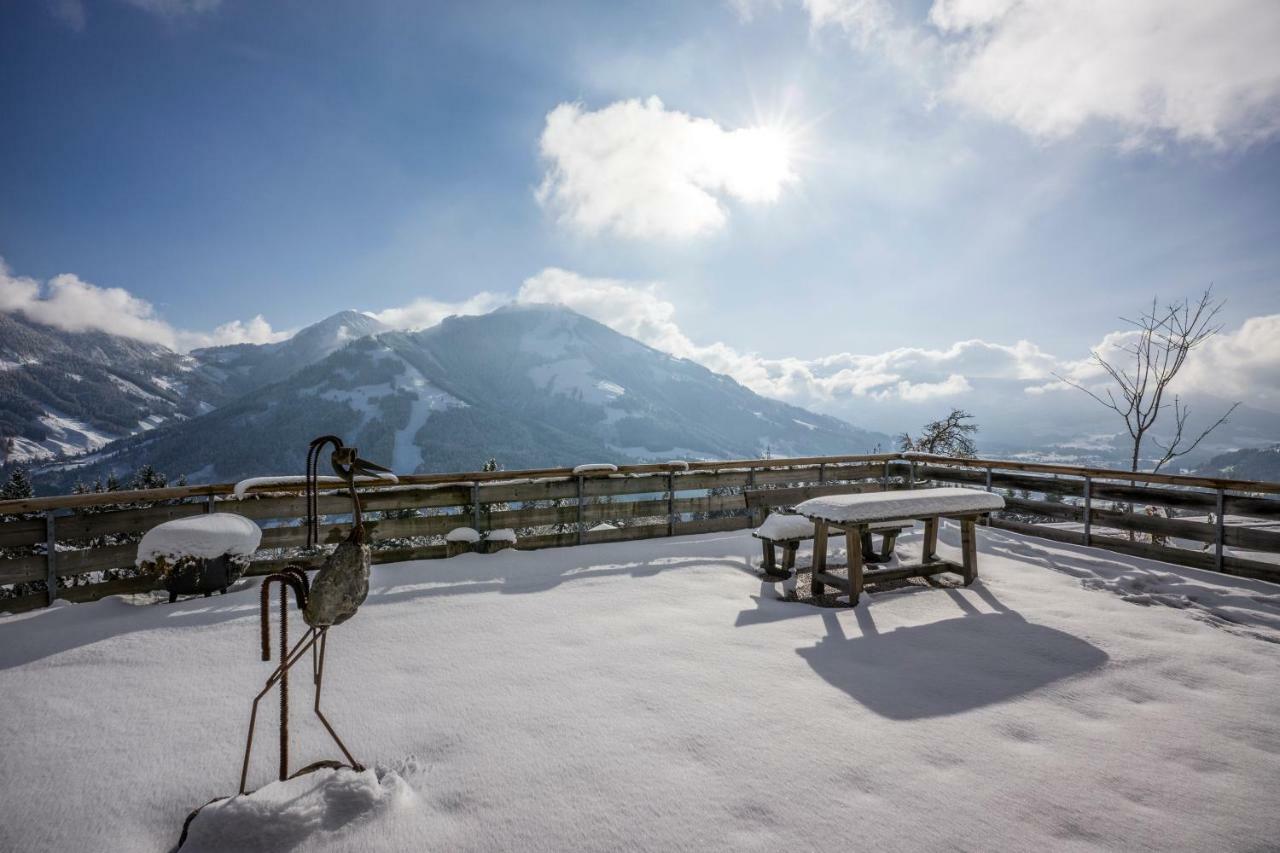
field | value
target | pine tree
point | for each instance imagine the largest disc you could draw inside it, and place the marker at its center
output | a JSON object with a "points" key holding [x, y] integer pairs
{"points": [[18, 486]]}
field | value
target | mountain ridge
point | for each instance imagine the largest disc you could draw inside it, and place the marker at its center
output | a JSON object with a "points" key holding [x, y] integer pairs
{"points": [[531, 385]]}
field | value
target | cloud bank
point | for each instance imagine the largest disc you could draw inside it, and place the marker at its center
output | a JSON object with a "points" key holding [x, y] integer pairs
{"points": [[1207, 72], [640, 170], [69, 303], [1242, 363]]}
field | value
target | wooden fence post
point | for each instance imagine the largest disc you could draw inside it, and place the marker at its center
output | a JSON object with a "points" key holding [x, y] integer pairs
{"points": [[475, 506], [1088, 510], [208, 503], [580, 514], [671, 503], [51, 559], [1218, 533], [822, 473]]}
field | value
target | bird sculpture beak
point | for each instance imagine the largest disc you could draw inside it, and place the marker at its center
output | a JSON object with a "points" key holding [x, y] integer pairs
{"points": [[371, 469]]}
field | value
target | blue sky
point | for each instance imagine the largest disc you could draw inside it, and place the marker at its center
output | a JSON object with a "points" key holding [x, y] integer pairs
{"points": [[221, 160]]}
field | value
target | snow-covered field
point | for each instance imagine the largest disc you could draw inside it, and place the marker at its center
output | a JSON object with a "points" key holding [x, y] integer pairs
{"points": [[656, 696]]}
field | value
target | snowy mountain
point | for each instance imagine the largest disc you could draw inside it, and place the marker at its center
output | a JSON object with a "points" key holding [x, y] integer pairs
{"points": [[64, 393], [531, 385], [242, 368]]}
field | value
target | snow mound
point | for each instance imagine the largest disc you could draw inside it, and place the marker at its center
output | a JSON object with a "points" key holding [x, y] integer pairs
{"points": [[596, 468], [309, 811], [678, 464], [462, 534], [502, 534], [205, 536], [913, 503]]}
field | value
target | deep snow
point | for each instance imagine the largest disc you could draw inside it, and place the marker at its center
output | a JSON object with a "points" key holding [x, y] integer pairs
{"points": [[656, 695]]}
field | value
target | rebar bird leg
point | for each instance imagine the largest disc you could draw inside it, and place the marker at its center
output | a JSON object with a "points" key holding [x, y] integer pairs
{"points": [[295, 579], [317, 669]]}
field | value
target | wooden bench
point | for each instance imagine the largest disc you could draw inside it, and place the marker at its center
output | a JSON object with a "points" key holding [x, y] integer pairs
{"points": [[855, 514], [789, 530]]}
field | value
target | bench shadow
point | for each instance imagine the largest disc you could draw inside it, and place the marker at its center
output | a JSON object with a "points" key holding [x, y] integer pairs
{"points": [[950, 666]]}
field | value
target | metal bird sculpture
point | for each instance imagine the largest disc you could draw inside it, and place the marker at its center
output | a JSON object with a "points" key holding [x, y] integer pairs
{"points": [[340, 587]]}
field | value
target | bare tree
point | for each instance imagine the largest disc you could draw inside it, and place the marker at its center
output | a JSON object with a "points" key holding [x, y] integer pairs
{"points": [[1147, 364], [950, 436]]}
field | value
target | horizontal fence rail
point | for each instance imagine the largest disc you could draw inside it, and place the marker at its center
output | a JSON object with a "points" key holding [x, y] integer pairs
{"points": [[82, 547]]}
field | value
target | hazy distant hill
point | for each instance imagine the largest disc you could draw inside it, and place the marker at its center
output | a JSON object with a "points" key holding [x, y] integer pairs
{"points": [[532, 385], [1253, 463]]}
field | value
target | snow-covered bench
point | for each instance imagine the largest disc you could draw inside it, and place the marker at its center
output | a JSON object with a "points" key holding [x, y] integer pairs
{"points": [[854, 514], [200, 553], [789, 530]]}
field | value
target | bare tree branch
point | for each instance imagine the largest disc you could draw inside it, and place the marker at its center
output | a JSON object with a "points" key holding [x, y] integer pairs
{"points": [[1147, 365]]}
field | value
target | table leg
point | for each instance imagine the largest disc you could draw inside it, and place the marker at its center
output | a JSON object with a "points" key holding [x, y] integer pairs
{"points": [[768, 562], [819, 555], [853, 541], [930, 540], [969, 550]]}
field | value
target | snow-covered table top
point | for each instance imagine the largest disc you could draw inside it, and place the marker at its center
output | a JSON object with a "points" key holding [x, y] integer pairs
{"points": [[203, 536], [911, 503]]}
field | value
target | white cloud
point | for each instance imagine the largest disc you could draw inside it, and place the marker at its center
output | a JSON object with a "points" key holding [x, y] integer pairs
{"points": [[74, 305], [68, 303], [425, 312], [255, 331], [907, 373], [1202, 71], [642, 171], [1239, 364]]}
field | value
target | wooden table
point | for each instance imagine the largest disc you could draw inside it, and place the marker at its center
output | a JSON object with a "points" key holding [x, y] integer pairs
{"points": [[854, 514]]}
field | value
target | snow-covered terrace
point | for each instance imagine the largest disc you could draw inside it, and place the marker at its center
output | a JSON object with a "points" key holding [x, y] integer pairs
{"points": [[656, 695]]}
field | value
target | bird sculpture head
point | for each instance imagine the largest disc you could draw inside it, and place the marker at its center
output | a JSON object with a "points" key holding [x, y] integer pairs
{"points": [[348, 465]]}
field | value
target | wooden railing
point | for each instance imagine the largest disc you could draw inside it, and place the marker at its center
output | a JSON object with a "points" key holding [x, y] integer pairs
{"points": [[69, 546]]}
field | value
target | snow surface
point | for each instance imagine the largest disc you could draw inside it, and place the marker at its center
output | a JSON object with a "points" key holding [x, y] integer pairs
{"points": [[595, 467], [910, 503], [502, 534], [205, 536], [462, 534], [64, 437], [242, 487], [656, 695]]}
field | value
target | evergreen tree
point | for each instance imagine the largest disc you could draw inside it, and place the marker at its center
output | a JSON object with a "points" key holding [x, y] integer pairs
{"points": [[18, 486]]}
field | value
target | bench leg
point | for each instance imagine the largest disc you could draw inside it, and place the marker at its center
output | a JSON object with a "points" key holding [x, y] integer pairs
{"points": [[930, 540], [887, 540], [767, 564], [819, 556], [869, 547], [853, 540], [968, 550], [789, 557]]}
